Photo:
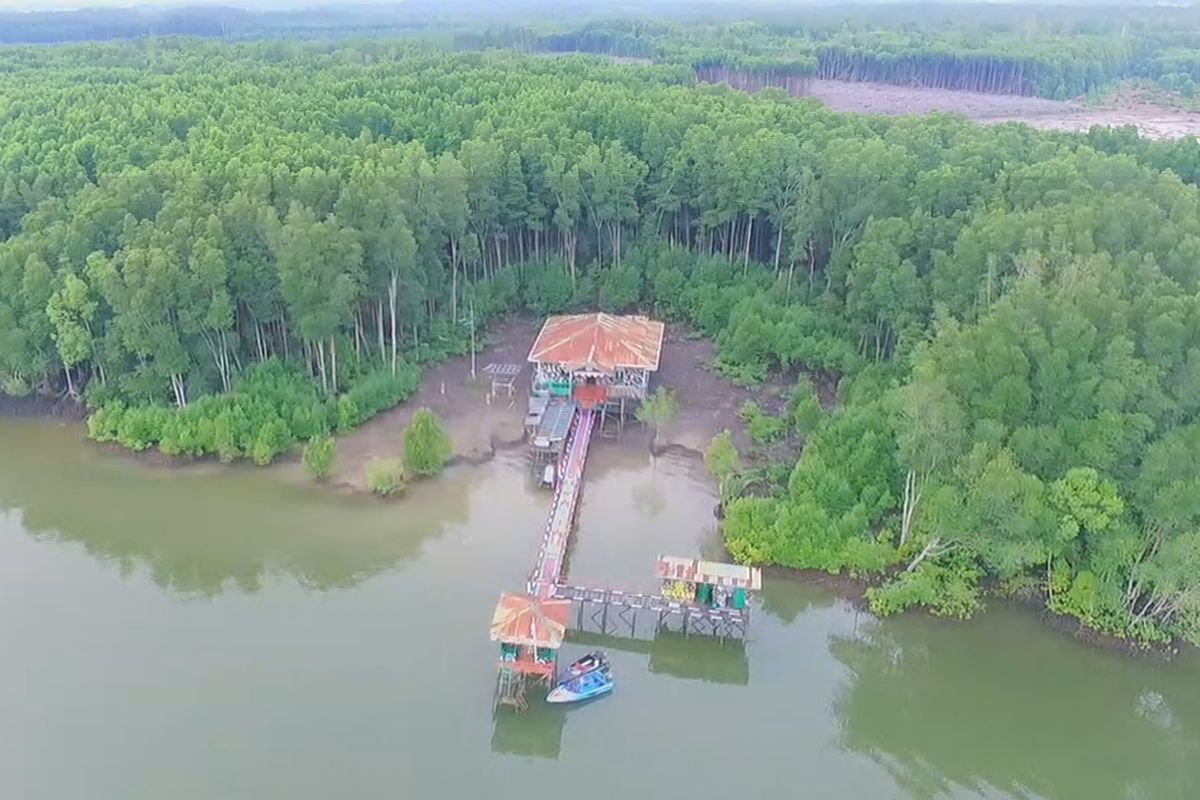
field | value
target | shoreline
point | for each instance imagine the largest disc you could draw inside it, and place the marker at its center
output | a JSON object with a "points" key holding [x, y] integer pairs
{"points": [[853, 590], [481, 425], [847, 588], [42, 406]]}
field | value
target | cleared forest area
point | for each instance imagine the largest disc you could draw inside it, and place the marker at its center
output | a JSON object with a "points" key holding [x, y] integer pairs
{"points": [[1152, 121]]}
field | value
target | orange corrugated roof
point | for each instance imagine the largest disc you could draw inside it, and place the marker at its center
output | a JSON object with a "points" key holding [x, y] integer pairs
{"points": [[599, 341], [525, 620]]}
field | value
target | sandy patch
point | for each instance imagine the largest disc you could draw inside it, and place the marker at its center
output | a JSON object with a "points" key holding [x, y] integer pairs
{"points": [[1154, 122]]}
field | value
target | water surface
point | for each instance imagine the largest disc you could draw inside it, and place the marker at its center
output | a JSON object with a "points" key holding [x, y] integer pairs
{"points": [[240, 633]]}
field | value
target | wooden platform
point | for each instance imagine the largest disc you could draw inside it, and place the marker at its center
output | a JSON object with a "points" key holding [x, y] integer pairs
{"points": [[503, 376], [615, 612], [552, 553]]}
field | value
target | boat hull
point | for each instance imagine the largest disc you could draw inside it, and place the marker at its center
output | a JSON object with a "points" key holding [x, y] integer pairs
{"points": [[563, 695]]}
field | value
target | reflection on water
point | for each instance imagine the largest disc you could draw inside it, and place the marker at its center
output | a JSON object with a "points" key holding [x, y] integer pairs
{"points": [[988, 709], [636, 507], [202, 529], [536, 732], [688, 657], [788, 598]]}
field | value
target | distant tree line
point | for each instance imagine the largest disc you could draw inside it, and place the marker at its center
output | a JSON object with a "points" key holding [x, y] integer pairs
{"points": [[1055, 52]]}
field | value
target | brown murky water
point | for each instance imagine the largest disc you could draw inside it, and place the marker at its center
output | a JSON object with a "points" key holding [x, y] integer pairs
{"points": [[239, 633]]}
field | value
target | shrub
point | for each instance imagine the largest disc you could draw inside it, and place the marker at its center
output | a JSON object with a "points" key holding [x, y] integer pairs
{"points": [[427, 445], [381, 390], [319, 456], [14, 386], [232, 425], [385, 476], [658, 409], [272, 439], [348, 414], [105, 422], [721, 458], [947, 590], [225, 437], [804, 409], [668, 292], [761, 427], [141, 428]]}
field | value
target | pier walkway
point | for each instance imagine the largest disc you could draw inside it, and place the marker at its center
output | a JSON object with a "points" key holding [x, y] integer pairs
{"points": [[552, 554], [613, 611]]}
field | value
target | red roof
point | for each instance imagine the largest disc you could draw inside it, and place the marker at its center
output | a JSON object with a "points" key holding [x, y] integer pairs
{"points": [[525, 620], [600, 342]]}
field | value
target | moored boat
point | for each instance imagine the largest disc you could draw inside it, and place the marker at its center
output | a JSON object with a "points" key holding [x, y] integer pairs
{"points": [[585, 664], [584, 687]]}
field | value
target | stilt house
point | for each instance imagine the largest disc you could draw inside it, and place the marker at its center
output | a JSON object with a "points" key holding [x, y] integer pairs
{"points": [[596, 359]]}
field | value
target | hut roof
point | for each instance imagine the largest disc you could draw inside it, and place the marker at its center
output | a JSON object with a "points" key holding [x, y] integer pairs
{"points": [[526, 620], [712, 572], [602, 342]]}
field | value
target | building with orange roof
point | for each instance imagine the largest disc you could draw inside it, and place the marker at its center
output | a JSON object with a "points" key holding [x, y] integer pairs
{"points": [[530, 630], [596, 358]]}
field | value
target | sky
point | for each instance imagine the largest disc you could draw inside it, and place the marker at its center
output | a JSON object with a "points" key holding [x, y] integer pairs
{"points": [[56, 5]]}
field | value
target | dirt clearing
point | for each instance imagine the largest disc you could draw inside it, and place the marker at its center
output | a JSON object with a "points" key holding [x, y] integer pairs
{"points": [[479, 424], [1154, 122]]}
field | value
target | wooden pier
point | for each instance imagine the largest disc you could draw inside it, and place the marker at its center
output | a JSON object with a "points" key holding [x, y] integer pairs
{"points": [[552, 554], [573, 396], [616, 612]]}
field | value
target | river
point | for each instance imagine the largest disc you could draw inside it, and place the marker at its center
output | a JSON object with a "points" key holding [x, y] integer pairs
{"points": [[238, 633]]}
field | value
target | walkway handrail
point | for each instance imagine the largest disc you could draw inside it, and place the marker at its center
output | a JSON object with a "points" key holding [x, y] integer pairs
{"points": [[553, 550]]}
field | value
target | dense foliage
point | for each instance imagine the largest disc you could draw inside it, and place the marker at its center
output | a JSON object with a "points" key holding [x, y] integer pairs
{"points": [[265, 237]]}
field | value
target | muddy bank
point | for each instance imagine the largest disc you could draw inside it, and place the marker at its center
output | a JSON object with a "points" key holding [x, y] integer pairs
{"points": [[52, 406], [709, 402], [1154, 122], [479, 424]]}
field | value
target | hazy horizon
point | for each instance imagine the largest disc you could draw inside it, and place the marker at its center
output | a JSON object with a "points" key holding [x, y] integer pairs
{"points": [[76, 5]]}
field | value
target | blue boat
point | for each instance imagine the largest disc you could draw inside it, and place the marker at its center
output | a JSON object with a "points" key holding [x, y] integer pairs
{"points": [[591, 684]]}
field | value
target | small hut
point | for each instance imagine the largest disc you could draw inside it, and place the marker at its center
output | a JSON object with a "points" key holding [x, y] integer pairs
{"points": [[596, 358], [707, 583], [530, 631]]}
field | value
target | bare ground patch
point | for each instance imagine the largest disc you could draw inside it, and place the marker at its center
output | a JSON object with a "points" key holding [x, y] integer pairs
{"points": [[478, 425], [708, 401], [1154, 122]]}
